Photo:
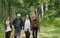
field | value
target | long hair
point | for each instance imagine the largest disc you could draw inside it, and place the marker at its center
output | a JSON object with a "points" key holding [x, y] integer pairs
{"points": [[6, 18], [35, 20], [29, 18], [5, 21]]}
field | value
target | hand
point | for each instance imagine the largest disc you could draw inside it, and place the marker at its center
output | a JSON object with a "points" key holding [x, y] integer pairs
{"points": [[38, 29], [22, 28]]}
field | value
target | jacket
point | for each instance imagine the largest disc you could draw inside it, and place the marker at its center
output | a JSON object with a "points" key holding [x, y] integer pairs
{"points": [[35, 23], [15, 23]]}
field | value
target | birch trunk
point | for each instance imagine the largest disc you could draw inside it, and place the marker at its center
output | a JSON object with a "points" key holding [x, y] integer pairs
{"points": [[46, 6], [42, 10], [36, 13]]}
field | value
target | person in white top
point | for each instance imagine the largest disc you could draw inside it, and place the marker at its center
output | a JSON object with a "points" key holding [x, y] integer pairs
{"points": [[8, 27], [27, 25]]}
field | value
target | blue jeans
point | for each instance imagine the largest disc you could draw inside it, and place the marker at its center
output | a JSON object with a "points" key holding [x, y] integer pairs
{"points": [[34, 32], [17, 34]]}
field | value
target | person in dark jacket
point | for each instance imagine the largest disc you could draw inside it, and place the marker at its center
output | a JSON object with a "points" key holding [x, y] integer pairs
{"points": [[18, 24], [8, 27], [35, 26]]}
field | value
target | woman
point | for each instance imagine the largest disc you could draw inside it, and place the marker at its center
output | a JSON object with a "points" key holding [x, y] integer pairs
{"points": [[8, 27], [27, 26], [35, 26]]}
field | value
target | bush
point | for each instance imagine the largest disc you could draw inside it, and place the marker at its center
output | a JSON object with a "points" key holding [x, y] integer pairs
{"points": [[51, 18]]}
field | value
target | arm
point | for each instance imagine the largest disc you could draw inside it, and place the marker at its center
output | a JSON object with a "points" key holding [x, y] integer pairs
{"points": [[31, 24], [13, 22], [11, 25], [5, 25], [22, 23], [38, 25]]}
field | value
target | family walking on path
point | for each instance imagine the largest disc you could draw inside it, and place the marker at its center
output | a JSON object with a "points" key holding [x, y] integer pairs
{"points": [[27, 25]]}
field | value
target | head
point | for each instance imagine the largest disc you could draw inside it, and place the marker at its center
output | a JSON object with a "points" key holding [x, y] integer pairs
{"points": [[27, 16], [7, 18], [35, 17], [18, 16]]}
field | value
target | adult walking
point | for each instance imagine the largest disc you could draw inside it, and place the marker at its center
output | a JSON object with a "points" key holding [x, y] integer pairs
{"points": [[8, 27], [18, 23], [27, 25], [35, 26]]}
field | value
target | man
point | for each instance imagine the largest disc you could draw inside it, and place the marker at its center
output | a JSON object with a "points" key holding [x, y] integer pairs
{"points": [[18, 23]]}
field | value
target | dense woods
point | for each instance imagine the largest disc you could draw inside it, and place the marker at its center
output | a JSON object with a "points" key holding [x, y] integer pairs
{"points": [[37, 7]]}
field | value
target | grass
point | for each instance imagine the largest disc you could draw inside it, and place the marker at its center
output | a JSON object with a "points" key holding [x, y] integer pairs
{"points": [[2, 31], [49, 32], [46, 32]]}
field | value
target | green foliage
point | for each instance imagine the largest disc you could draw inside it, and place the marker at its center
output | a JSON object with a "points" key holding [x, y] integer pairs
{"points": [[54, 4], [51, 22]]}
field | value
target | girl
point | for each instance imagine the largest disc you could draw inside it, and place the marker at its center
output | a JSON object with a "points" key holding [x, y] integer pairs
{"points": [[27, 26], [8, 27], [35, 26]]}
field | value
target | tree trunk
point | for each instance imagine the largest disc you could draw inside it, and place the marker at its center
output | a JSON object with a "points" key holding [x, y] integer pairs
{"points": [[36, 13], [3, 5], [39, 12], [59, 4], [42, 10], [13, 13], [6, 8], [46, 6], [0, 7]]}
